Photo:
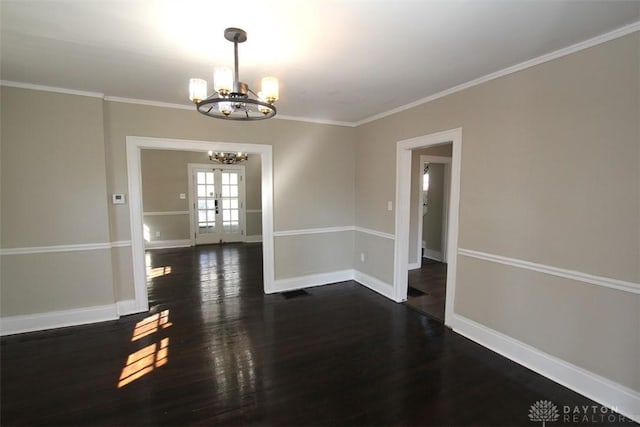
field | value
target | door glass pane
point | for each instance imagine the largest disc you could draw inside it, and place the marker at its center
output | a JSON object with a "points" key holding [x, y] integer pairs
{"points": [[226, 203], [209, 177], [234, 204], [225, 178], [233, 179], [226, 192], [202, 191], [234, 191], [200, 177], [202, 204], [211, 204]]}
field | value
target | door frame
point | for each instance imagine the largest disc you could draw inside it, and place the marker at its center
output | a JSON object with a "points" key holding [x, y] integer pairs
{"points": [[403, 209], [445, 206], [134, 146], [192, 209]]}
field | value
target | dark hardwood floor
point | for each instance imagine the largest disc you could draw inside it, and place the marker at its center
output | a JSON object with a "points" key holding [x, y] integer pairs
{"points": [[427, 288], [216, 351]]}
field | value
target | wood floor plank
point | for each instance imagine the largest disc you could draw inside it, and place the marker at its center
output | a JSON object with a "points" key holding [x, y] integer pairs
{"points": [[223, 353]]}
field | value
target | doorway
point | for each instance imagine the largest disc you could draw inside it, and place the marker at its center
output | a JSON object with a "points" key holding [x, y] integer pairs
{"points": [[217, 203], [430, 205], [135, 145], [403, 212]]}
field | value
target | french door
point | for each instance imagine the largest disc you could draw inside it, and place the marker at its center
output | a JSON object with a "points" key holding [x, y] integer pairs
{"points": [[218, 213]]}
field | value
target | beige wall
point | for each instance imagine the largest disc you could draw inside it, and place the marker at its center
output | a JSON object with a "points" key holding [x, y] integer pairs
{"points": [[53, 193], [550, 174]]}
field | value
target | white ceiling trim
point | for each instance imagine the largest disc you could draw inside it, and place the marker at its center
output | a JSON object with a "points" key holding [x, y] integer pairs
{"points": [[148, 102], [620, 32], [30, 86]]}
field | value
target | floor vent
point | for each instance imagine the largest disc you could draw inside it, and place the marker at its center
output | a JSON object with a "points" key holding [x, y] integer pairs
{"points": [[413, 292], [295, 294]]}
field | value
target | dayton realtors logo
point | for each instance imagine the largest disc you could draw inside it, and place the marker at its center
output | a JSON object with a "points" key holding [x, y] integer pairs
{"points": [[544, 411]]}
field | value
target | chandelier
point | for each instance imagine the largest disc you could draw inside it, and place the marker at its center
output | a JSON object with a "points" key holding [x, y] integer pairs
{"points": [[228, 158], [232, 99]]}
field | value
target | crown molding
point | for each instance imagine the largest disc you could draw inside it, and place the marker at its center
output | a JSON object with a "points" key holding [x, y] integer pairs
{"points": [[603, 38], [30, 86], [148, 103]]}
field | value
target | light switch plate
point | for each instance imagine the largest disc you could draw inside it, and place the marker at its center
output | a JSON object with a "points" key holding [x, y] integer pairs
{"points": [[389, 206], [183, 196]]}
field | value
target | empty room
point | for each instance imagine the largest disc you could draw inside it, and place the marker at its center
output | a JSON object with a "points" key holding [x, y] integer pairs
{"points": [[317, 212]]}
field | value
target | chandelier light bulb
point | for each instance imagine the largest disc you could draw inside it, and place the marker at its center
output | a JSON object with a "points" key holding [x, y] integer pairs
{"points": [[270, 89], [222, 80], [225, 108], [197, 90]]}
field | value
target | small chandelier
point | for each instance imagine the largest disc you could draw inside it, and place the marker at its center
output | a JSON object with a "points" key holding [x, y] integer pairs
{"points": [[227, 158], [232, 99]]}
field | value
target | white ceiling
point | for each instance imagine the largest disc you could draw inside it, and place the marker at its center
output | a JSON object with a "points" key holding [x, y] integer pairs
{"points": [[342, 61]]}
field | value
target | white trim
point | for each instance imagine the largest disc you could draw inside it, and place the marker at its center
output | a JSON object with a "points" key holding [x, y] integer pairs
{"points": [[375, 233], [319, 230], [578, 276], [300, 282], [318, 121], [167, 244], [431, 254], [603, 38], [376, 285], [135, 144], [256, 238], [56, 248], [445, 204], [403, 205], [57, 319], [64, 248], [165, 213], [608, 393], [414, 265], [65, 91], [148, 103], [127, 307], [253, 211]]}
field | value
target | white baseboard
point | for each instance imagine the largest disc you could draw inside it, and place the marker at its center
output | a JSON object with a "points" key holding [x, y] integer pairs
{"points": [[167, 244], [253, 239], [414, 265], [604, 391], [374, 284], [127, 307], [57, 319], [431, 254], [293, 283]]}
